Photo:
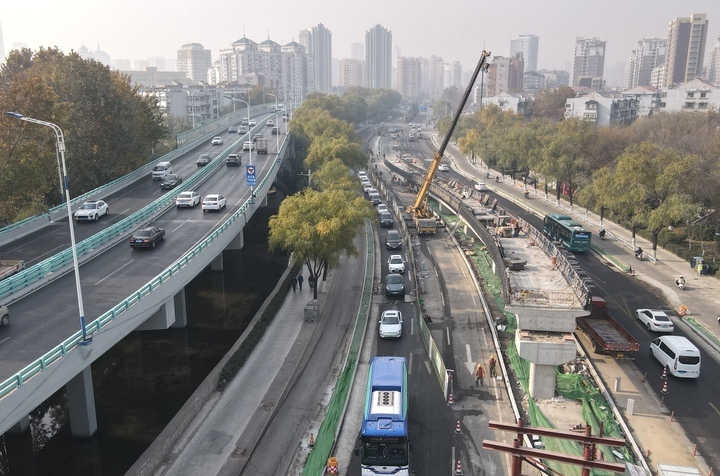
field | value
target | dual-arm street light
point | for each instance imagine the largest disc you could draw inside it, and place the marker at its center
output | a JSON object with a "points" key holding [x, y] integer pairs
{"points": [[252, 194], [64, 184]]}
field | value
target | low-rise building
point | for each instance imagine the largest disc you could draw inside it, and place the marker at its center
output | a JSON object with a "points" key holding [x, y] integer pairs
{"points": [[603, 108], [506, 101], [695, 95]]}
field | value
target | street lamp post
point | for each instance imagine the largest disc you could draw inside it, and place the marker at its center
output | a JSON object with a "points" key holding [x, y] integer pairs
{"points": [[64, 184], [277, 124], [252, 194], [192, 106]]}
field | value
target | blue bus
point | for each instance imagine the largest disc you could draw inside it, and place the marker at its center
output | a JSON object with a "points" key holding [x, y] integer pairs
{"points": [[384, 444], [571, 235]]}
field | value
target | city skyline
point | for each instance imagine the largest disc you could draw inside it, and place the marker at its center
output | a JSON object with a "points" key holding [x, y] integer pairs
{"points": [[418, 30]]}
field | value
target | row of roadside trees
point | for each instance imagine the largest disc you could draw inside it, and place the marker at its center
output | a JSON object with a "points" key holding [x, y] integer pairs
{"points": [[320, 223], [660, 171]]}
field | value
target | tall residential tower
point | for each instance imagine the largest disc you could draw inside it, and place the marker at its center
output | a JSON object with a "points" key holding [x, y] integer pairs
{"points": [[685, 48], [195, 61], [378, 57], [318, 43], [589, 63], [649, 54]]}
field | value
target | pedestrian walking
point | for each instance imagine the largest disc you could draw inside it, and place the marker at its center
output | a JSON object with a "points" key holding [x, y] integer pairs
{"points": [[293, 282], [479, 374], [300, 280], [491, 366]]}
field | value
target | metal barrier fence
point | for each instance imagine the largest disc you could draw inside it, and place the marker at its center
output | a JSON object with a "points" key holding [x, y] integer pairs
{"points": [[74, 340]]}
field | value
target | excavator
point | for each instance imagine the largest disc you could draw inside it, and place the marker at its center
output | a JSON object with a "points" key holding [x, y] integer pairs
{"points": [[423, 216]]}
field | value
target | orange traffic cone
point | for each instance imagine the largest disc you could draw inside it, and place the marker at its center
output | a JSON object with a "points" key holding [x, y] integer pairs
{"points": [[332, 465], [458, 468], [664, 374], [457, 428], [664, 389]]}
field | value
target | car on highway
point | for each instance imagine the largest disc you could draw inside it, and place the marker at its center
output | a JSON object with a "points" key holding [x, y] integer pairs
{"points": [[4, 315], [214, 201], [233, 160], [217, 140], [257, 136], [396, 264], [443, 168], [203, 160], [147, 237], [394, 285], [242, 130], [655, 320], [91, 210], [481, 186], [390, 324], [270, 123], [386, 220], [382, 208], [393, 240], [275, 131], [249, 145], [253, 123], [232, 130], [170, 181], [187, 199]]}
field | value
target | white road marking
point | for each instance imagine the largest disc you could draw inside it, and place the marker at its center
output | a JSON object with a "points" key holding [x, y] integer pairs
{"points": [[5, 339], [447, 331], [180, 225], [121, 267], [410, 364]]}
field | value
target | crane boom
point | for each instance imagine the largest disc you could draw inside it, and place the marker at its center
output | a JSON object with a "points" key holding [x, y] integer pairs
{"points": [[420, 209]]}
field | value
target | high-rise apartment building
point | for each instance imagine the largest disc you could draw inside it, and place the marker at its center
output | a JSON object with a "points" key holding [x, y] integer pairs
{"points": [[452, 75], [713, 68], [357, 51], [318, 43], [649, 54], [589, 63], [2, 46], [194, 60], [351, 73], [378, 57], [685, 48], [528, 46], [409, 76], [435, 77], [505, 75]]}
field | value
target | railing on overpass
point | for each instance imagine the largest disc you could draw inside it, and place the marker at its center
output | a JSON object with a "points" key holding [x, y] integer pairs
{"points": [[73, 341], [190, 140]]}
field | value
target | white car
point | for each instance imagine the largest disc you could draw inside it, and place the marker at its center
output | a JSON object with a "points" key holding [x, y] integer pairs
{"points": [[217, 141], [270, 123], [253, 123], [391, 324], [382, 208], [249, 145], [396, 264], [187, 199], [443, 168], [92, 210], [655, 320], [214, 201], [481, 186]]}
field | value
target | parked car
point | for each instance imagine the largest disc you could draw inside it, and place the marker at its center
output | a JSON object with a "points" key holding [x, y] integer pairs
{"points": [[217, 140], [147, 237], [396, 264], [214, 201], [394, 285], [270, 123], [655, 320], [233, 160], [232, 130], [203, 160], [249, 145], [170, 181], [443, 168], [187, 199], [92, 210], [390, 324]]}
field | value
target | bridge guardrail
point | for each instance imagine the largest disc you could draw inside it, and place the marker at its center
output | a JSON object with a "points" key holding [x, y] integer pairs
{"points": [[57, 353]]}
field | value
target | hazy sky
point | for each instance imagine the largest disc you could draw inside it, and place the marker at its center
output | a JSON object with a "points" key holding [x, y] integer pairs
{"points": [[454, 30]]}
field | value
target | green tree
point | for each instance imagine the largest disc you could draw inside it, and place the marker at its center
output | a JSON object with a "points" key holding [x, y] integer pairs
{"points": [[317, 227], [550, 103], [324, 149], [334, 174]]}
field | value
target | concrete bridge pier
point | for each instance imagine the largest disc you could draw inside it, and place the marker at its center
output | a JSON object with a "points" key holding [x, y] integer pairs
{"points": [[217, 263], [81, 403]]}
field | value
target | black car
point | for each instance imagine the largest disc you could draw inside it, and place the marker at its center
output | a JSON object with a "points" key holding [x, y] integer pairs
{"points": [[203, 160], [170, 181], [394, 285], [386, 220], [147, 237], [232, 130], [274, 131], [257, 136], [233, 160]]}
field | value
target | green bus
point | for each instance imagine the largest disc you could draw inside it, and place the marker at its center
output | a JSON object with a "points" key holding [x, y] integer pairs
{"points": [[571, 235]]}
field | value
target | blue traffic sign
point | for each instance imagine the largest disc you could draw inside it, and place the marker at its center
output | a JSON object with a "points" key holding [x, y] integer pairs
{"points": [[250, 175]]}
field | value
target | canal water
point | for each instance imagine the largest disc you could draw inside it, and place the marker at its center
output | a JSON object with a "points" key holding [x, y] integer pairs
{"points": [[145, 379]]}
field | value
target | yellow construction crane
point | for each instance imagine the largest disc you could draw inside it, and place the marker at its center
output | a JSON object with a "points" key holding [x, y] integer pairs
{"points": [[422, 214]]}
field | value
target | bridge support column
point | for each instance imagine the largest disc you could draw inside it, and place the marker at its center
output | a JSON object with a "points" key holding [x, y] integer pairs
{"points": [[21, 426], [237, 243], [180, 310], [19, 448], [217, 263], [81, 403], [162, 319]]}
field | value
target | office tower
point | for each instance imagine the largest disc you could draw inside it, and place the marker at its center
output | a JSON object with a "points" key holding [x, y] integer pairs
{"points": [[409, 73], [351, 73], [378, 57], [528, 46], [685, 48], [589, 63], [194, 61], [649, 55], [713, 69], [318, 43]]}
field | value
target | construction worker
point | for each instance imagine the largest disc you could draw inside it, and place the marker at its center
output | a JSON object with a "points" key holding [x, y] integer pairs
{"points": [[479, 374], [491, 365]]}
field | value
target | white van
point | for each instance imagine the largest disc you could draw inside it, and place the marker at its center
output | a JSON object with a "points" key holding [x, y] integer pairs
{"points": [[678, 354], [161, 170]]}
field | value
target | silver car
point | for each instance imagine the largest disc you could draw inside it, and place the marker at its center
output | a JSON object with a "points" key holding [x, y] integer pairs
{"points": [[391, 324]]}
